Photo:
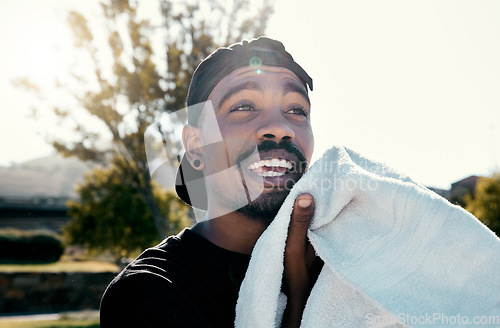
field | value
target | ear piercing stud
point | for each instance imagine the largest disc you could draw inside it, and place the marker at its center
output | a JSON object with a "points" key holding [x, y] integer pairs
{"points": [[196, 163]]}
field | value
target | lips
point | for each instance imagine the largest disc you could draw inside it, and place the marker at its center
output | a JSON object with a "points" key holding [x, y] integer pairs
{"points": [[270, 167]]}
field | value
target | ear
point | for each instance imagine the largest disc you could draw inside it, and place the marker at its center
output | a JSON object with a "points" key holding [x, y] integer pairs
{"points": [[193, 146]]}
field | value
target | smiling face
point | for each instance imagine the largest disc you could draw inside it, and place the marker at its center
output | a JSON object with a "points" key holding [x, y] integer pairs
{"points": [[263, 118]]}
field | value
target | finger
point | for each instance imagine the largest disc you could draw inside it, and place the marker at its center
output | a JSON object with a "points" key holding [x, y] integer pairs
{"points": [[299, 222]]}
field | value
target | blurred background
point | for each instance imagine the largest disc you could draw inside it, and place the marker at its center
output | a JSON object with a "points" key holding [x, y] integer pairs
{"points": [[413, 84]]}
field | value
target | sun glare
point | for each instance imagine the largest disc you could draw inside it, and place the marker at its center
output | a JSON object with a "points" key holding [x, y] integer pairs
{"points": [[37, 49]]}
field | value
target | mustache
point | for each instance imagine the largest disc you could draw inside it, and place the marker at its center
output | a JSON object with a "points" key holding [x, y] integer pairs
{"points": [[268, 145]]}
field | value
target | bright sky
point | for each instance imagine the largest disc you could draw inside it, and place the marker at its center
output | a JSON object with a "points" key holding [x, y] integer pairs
{"points": [[414, 84]]}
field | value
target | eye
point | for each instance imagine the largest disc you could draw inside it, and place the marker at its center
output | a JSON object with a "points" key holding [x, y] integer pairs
{"points": [[242, 108], [298, 111]]}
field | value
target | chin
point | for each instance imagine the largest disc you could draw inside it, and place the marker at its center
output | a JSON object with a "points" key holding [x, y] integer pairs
{"points": [[265, 207]]}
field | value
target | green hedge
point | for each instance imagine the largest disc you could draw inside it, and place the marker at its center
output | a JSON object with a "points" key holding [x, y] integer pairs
{"points": [[29, 246]]}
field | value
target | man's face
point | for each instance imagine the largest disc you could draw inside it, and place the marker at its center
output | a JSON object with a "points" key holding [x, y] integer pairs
{"points": [[268, 109]]}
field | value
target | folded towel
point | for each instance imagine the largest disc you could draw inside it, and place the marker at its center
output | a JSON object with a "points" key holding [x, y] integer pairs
{"points": [[396, 254]]}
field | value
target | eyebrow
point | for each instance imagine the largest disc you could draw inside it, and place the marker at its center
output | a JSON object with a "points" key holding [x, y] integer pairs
{"points": [[249, 85], [291, 86]]}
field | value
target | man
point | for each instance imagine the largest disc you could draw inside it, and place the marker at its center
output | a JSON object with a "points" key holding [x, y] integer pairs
{"points": [[248, 142]]}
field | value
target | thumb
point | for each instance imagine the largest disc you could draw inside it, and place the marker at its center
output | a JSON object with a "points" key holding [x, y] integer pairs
{"points": [[299, 222]]}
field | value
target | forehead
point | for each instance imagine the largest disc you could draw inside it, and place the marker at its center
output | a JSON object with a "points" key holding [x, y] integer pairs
{"points": [[262, 77]]}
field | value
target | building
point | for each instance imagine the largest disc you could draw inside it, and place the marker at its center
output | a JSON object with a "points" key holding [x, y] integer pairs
{"points": [[441, 192], [460, 189], [33, 194]]}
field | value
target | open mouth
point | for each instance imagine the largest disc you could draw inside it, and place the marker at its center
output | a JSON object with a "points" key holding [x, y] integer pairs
{"points": [[271, 167]]}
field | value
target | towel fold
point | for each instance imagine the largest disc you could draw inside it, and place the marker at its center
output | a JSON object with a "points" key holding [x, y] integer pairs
{"points": [[396, 254]]}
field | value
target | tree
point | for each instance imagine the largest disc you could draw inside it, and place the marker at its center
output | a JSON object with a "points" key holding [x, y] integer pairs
{"points": [[485, 204], [129, 88], [112, 216]]}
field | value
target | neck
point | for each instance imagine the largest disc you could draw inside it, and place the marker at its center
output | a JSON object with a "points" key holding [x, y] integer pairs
{"points": [[233, 231]]}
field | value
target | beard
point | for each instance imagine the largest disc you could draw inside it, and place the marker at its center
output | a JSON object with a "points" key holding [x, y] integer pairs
{"points": [[265, 207]]}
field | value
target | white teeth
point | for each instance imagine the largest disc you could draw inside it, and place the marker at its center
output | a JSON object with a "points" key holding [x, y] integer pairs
{"points": [[271, 174], [271, 163], [286, 164]]}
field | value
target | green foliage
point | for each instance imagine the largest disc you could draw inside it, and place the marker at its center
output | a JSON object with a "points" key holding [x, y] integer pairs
{"points": [[113, 216], [35, 246], [485, 204]]}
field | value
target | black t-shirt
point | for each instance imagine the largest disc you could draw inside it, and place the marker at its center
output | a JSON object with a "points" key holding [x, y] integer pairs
{"points": [[185, 281]]}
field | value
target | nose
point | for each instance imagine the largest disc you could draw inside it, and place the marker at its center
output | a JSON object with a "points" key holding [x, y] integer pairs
{"points": [[275, 127]]}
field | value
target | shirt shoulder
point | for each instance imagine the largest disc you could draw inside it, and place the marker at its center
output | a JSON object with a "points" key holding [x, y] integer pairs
{"points": [[184, 281], [151, 291]]}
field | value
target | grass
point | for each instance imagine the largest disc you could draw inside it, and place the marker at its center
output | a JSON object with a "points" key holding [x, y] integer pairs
{"points": [[62, 266], [82, 319], [62, 323]]}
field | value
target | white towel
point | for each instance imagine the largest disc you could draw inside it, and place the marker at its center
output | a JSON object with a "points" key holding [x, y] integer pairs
{"points": [[396, 254]]}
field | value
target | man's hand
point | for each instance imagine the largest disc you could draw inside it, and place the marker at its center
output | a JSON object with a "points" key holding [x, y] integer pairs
{"points": [[302, 267]]}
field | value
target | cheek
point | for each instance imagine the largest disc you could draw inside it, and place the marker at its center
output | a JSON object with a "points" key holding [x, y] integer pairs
{"points": [[238, 142], [222, 153], [306, 142], [235, 133], [213, 148]]}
